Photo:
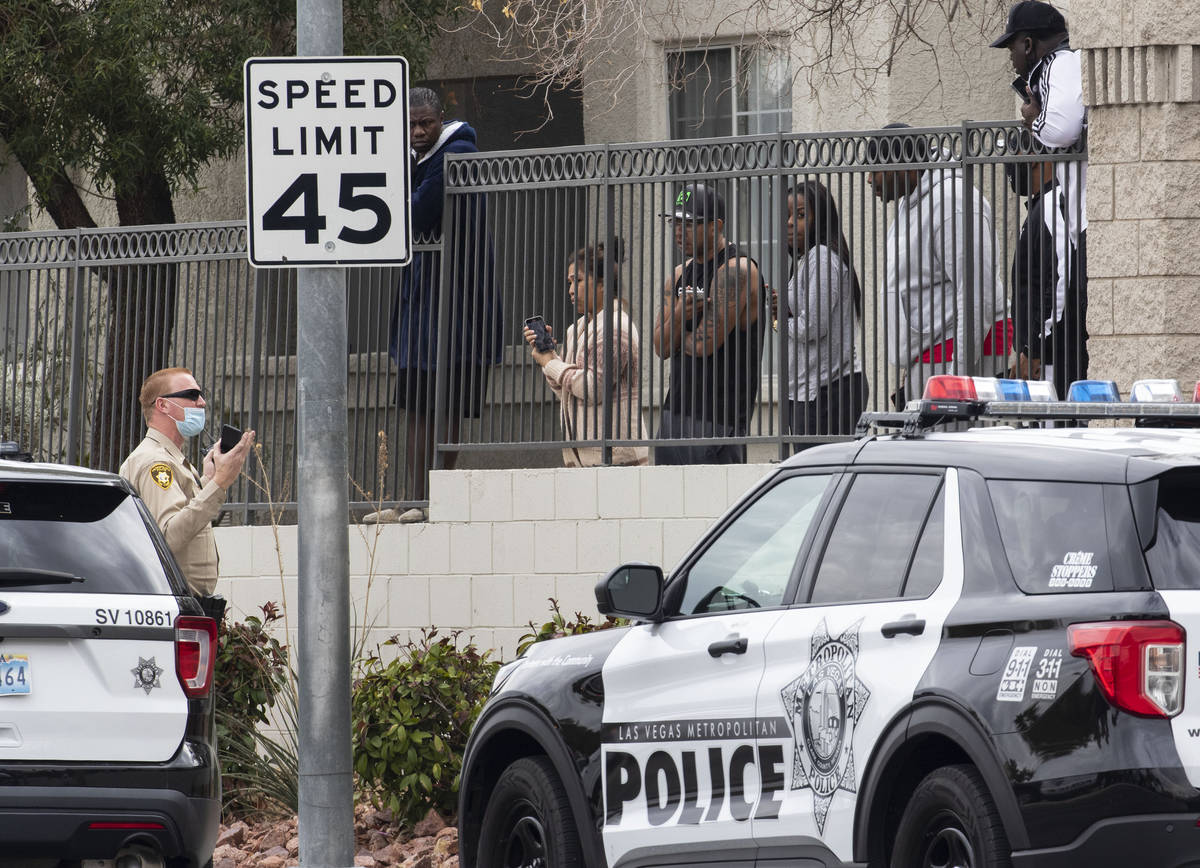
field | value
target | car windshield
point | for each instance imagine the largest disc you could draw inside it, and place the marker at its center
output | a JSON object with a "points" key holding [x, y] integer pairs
{"points": [[62, 537], [1174, 556]]}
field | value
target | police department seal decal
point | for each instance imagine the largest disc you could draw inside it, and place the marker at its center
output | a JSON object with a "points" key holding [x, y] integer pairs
{"points": [[823, 705], [145, 674], [162, 476]]}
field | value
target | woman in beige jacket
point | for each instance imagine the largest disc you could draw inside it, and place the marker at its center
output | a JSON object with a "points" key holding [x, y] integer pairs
{"points": [[577, 377]]}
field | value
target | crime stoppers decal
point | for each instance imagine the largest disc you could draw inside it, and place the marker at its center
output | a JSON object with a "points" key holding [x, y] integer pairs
{"points": [[823, 705]]}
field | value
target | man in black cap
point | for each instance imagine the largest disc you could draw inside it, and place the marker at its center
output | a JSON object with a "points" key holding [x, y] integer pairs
{"points": [[1049, 75], [711, 329]]}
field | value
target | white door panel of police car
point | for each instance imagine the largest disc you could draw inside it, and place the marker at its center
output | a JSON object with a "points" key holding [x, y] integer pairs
{"points": [[682, 773], [840, 668]]}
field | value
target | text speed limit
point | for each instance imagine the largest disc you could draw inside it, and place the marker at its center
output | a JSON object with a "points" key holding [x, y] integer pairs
{"points": [[327, 170]]}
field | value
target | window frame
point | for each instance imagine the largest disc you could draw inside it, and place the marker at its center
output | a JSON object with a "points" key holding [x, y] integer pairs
{"points": [[676, 583], [741, 60], [816, 553]]}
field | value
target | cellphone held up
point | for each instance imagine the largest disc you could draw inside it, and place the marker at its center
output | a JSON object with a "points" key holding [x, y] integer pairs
{"points": [[542, 340], [230, 437]]}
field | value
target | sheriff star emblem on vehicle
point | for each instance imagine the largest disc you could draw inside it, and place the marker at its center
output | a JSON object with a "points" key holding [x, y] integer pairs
{"points": [[823, 705], [146, 674]]}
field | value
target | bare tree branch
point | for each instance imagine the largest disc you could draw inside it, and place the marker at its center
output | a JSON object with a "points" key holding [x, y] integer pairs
{"points": [[562, 43]]}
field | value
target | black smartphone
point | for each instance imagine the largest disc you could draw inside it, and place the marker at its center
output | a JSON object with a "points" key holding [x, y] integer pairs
{"points": [[1021, 86], [230, 437], [542, 340]]}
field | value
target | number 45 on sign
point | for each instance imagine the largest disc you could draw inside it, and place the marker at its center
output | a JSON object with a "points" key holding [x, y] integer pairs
{"points": [[327, 165]]}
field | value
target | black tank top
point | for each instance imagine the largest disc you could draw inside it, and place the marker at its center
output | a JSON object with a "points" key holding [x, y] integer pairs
{"points": [[721, 388]]}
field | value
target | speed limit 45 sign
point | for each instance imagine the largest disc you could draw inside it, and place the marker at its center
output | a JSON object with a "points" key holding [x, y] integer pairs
{"points": [[327, 167]]}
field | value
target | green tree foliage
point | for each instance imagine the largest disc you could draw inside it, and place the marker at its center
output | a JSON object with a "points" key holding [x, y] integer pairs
{"points": [[134, 97], [130, 99]]}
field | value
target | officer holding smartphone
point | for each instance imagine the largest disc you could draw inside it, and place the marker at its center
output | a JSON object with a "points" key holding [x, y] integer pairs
{"points": [[183, 500]]}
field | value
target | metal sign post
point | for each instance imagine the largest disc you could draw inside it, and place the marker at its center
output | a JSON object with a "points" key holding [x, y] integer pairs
{"points": [[326, 186]]}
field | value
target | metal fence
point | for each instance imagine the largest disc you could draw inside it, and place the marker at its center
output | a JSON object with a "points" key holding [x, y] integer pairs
{"points": [[956, 272], [87, 314], [935, 261]]}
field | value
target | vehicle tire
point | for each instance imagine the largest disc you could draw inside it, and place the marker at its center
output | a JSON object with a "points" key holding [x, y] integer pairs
{"points": [[951, 822], [527, 823]]}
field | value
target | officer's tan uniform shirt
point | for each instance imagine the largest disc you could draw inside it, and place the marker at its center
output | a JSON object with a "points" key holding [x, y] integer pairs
{"points": [[182, 507]]}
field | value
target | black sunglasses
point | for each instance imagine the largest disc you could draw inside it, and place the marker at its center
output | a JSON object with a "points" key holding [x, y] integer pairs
{"points": [[190, 394]]}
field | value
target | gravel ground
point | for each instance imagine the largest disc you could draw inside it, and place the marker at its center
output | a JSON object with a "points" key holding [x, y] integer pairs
{"points": [[379, 843]]}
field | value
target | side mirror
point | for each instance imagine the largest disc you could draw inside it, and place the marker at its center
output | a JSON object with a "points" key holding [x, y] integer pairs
{"points": [[632, 591]]}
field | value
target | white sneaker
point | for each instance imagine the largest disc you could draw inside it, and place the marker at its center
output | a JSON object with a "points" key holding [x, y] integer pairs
{"points": [[384, 516], [412, 516]]}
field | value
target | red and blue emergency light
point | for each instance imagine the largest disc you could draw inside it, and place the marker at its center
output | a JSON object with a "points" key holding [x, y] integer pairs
{"points": [[949, 398]]}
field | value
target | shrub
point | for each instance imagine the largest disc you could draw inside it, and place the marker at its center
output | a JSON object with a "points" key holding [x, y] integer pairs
{"points": [[558, 626], [249, 672], [411, 721]]}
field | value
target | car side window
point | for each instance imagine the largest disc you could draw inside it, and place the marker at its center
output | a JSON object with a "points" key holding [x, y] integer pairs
{"points": [[749, 565], [1055, 535], [868, 551], [925, 574]]}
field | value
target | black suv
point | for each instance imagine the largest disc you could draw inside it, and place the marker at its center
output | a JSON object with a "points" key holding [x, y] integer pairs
{"points": [[106, 728], [926, 649]]}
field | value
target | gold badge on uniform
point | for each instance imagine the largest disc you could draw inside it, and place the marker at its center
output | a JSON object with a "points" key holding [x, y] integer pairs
{"points": [[162, 476]]}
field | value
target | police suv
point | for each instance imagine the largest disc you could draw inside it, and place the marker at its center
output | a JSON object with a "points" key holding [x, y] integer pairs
{"points": [[106, 729], [930, 648]]}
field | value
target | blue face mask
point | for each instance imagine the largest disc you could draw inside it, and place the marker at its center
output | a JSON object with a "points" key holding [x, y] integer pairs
{"points": [[192, 422]]}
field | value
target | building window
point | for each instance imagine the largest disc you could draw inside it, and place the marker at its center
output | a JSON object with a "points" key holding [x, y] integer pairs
{"points": [[729, 90]]}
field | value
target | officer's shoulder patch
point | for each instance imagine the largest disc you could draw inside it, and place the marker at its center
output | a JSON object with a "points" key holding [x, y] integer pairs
{"points": [[162, 475]]}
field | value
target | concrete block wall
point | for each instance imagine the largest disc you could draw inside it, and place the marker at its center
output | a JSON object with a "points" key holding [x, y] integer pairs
{"points": [[1141, 78], [498, 545]]}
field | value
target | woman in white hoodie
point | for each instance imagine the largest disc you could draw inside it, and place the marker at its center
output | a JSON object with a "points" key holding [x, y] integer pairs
{"points": [[578, 376]]}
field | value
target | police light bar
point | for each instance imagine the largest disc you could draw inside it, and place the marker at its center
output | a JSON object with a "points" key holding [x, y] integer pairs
{"points": [[955, 398]]}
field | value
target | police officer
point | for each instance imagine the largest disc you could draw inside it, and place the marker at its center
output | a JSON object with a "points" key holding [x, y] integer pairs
{"points": [[183, 500]]}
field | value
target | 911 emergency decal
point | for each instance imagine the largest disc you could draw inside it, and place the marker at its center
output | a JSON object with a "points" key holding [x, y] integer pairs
{"points": [[1016, 674], [823, 706]]}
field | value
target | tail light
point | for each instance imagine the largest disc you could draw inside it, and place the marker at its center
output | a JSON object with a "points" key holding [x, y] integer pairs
{"points": [[195, 651], [1138, 664]]}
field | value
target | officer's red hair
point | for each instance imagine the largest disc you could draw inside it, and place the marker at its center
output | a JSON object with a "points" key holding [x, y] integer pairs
{"points": [[156, 385]]}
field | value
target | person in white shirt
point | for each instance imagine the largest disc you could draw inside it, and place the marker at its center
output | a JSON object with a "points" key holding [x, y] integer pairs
{"points": [[941, 291], [1049, 75], [826, 388]]}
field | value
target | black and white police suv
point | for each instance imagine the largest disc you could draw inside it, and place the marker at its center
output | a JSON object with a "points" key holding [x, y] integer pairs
{"points": [[107, 753], [922, 649]]}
